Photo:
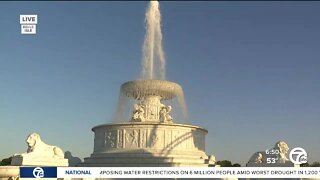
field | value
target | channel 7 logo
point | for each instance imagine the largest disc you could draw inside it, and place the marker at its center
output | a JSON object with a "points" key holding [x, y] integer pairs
{"points": [[298, 156], [38, 172]]}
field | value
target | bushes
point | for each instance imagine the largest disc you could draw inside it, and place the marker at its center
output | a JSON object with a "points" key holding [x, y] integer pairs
{"points": [[227, 163], [6, 161]]}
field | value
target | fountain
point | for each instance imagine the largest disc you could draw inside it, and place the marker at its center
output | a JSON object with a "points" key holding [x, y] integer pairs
{"points": [[150, 137]]}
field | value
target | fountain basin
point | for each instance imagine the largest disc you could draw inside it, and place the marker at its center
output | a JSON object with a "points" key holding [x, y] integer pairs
{"points": [[148, 144], [140, 89]]}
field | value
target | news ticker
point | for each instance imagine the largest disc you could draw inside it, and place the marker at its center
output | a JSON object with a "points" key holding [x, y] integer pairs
{"points": [[169, 172]]}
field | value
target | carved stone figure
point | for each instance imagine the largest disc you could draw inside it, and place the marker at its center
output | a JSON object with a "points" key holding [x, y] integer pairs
{"points": [[274, 157], [154, 140], [37, 147], [259, 158], [211, 159], [110, 139], [132, 138], [283, 149], [164, 114], [40, 152], [138, 113]]}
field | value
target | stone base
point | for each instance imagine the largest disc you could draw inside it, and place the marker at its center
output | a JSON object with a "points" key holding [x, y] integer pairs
{"points": [[148, 145], [28, 161], [144, 160], [9, 172]]}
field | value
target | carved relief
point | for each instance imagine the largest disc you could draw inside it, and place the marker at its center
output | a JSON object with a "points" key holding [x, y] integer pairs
{"points": [[110, 139], [142, 138], [152, 113], [154, 140], [120, 139], [132, 138], [151, 109], [167, 138]]}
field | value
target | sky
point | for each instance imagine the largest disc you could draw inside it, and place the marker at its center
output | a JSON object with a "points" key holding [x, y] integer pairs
{"points": [[249, 70]]}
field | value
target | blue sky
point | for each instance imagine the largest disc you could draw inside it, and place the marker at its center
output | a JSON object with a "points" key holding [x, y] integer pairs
{"points": [[250, 71]]}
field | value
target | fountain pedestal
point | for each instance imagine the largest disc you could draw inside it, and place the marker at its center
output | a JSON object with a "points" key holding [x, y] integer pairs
{"points": [[148, 144]]}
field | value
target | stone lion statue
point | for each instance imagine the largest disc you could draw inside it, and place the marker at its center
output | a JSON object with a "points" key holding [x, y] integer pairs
{"points": [[278, 152], [37, 148], [39, 153], [283, 151]]}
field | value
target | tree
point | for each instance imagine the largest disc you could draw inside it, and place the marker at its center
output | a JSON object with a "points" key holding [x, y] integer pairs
{"points": [[314, 164], [227, 163], [236, 165], [6, 161]]}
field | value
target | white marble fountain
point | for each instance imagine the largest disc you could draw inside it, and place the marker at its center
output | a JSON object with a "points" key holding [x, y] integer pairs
{"points": [[150, 137]]}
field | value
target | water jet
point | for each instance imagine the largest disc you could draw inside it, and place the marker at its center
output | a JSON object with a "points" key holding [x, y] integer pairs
{"points": [[150, 136]]}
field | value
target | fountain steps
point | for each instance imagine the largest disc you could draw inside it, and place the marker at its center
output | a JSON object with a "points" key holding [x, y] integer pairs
{"points": [[146, 161]]}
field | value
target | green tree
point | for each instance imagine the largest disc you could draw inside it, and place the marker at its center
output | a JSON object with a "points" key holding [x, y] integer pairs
{"points": [[225, 163], [6, 161], [314, 164], [236, 165]]}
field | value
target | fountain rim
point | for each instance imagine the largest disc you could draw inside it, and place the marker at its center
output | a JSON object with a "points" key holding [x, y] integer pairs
{"points": [[151, 87], [149, 124]]}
